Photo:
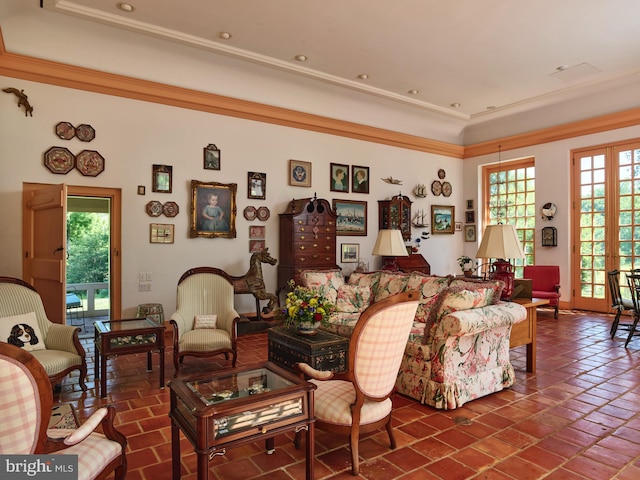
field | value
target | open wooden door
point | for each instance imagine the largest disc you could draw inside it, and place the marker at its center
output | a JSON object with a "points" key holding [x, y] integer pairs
{"points": [[44, 239]]}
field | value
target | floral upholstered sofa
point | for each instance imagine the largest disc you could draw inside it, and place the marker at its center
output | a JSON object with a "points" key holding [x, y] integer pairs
{"points": [[458, 349]]}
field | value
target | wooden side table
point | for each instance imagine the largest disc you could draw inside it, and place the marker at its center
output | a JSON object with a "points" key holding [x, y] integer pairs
{"points": [[524, 333], [236, 406], [124, 337]]}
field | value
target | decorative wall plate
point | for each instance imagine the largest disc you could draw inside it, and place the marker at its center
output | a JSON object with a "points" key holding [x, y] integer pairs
{"points": [[59, 160], [85, 133], [154, 208], [170, 209], [263, 213], [436, 187], [250, 213], [441, 173], [65, 130], [446, 189], [89, 163]]}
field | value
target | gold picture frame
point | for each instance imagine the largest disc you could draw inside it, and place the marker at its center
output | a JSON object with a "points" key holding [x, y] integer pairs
{"points": [[442, 219], [299, 173], [213, 209]]}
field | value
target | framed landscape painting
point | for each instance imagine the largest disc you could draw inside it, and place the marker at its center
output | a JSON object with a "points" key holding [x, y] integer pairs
{"points": [[442, 219], [352, 217]]}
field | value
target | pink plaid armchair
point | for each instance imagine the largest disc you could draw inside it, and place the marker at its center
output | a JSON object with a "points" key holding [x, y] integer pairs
{"points": [[358, 401], [26, 399]]}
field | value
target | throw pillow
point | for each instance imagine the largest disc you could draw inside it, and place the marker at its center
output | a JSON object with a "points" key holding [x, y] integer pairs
{"points": [[353, 299], [390, 284], [362, 279], [496, 285], [205, 321], [22, 331], [429, 288], [329, 281]]}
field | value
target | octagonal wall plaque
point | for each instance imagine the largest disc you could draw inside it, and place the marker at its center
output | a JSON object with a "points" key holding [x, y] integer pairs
{"points": [[85, 132], [90, 163], [59, 160]]}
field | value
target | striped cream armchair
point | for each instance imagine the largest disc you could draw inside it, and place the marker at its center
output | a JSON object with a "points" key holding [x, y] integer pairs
{"points": [[58, 347], [358, 401], [205, 321]]}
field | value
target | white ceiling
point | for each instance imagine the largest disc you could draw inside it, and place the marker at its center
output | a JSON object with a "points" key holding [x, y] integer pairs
{"points": [[493, 57]]}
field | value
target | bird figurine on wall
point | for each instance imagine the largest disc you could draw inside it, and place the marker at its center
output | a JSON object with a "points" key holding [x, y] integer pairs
{"points": [[23, 100], [392, 181]]}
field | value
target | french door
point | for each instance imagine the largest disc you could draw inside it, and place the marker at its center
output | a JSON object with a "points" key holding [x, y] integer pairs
{"points": [[606, 220]]}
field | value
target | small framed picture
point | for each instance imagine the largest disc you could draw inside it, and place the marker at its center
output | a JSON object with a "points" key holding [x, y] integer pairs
{"points": [[141, 190], [469, 233], [470, 204], [257, 231], [470, 216], [442, 219], [458, 226], [256, 246], [339, 181], [349, 252], [299, 173], [161, 181], [360, 179], [161, 233], [257, 185], [211, 157]]}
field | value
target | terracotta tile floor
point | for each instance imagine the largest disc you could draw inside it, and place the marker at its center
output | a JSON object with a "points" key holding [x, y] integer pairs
{"points": [[577, 418]]}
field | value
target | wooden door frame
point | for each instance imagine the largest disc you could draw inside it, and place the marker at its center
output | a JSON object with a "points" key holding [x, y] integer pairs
{"points": [[115, 235]]}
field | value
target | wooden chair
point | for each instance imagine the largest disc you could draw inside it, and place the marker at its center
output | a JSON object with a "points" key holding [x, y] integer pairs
{"points": [[26, 399], [546, 283], [618, 302], [358, 401], [63, 352], [633, 279], [204, 291]]}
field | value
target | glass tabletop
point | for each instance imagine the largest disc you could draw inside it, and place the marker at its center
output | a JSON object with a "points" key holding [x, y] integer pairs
{"points": [[105, 326], [237, 385]]}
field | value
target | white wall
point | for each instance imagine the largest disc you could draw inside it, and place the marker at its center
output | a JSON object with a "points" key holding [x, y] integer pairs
{"points": [[553, 177], [133, 135]]}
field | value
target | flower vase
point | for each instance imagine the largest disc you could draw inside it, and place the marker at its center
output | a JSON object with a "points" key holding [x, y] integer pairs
{"points": [[308, 328]]}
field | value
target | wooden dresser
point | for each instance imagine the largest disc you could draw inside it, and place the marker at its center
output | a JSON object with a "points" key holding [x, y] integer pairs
{"points": [[307, 239], [413, 263]]}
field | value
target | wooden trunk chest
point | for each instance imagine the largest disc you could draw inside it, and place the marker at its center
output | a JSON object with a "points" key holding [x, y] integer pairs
{"points": [[322, 351]]}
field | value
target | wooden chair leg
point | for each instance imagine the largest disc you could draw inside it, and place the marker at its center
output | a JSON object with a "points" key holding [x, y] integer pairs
{"points": [[632, 330], [354, 440], [614, 325]]}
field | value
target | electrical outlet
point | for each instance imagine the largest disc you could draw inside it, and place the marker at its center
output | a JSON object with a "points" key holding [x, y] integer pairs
{"points": [[144, 286]]}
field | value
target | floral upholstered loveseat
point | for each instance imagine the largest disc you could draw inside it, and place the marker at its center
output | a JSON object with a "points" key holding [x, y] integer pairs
{"points": [[458, 349]]}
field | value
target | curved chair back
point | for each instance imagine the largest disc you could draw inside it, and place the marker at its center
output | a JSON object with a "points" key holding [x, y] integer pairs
{"points": [[378, 342], [25, 399], [18, 297]]}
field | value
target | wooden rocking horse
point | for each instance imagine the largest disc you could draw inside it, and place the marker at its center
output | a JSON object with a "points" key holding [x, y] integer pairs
{"points": [[253, 283]]}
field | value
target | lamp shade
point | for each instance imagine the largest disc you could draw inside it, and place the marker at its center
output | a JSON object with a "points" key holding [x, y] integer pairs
{"points": [[390, 244], [500, 241]]}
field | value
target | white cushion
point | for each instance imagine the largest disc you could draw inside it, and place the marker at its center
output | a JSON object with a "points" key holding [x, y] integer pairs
{"points": [[22, 331], [205, 321]]}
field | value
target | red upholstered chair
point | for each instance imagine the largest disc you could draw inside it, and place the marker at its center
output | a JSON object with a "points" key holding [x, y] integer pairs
{"points": [[545, 283]]}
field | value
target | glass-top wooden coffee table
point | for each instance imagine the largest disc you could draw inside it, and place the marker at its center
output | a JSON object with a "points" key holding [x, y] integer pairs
{"points": [[235, 406]]}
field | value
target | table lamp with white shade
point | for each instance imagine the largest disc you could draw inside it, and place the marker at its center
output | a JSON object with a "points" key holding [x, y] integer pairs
{"points": [[390, 244], [501, 242]]}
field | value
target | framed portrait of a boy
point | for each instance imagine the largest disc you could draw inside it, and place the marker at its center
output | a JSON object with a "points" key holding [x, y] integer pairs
{"points": [[213, 209]]}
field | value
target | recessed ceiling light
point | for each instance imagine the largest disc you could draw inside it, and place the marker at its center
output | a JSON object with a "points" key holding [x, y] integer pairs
{"points": [[363, 76], [301, 58], [225, 35], [413, 92], [125, 7], [491, 107], [456, 105]]}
